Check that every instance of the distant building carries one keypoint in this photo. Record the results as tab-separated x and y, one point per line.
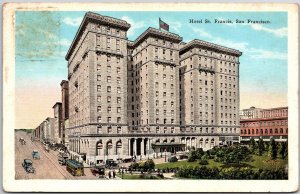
265	124
65	107
58	122
250	113
45	130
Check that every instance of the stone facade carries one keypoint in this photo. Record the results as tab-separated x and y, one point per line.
128	97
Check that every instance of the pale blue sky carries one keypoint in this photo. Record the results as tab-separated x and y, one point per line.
43	38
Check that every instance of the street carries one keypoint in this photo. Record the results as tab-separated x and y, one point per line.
47	167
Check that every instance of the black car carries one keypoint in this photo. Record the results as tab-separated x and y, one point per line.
27	165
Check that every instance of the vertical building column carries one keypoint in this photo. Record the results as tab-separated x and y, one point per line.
134	147
143	147
129	147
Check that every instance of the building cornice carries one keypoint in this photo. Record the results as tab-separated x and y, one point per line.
99	19
203	44
157	33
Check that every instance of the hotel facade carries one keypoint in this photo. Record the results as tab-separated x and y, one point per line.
149	96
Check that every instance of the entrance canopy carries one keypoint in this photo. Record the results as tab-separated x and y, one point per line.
169	147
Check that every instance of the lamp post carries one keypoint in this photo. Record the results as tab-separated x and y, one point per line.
165	155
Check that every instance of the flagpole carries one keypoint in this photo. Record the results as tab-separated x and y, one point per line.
159	23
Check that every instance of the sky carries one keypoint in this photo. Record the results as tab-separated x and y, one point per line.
43	39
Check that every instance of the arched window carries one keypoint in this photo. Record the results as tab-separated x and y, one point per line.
276	131
201	143
266	131
99	147
271	131
119	147
256	131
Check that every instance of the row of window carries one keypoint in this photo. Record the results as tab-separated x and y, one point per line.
99	119
108	99
265	123
108	89
99	109
108	68
261	131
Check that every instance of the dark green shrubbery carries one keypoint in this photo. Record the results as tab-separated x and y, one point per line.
204	172
144	166
203	162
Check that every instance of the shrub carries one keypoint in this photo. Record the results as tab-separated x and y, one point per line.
172	159
203	162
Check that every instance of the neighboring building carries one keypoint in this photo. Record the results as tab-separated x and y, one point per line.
45	130
58	122
250	113
148	96
272	122
64	107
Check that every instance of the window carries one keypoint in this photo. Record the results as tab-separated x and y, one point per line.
98	77
108	99
108	119
118	109
99	119
98	88
98	108
118	69
119	90
157	111
108	68
164	94
118	119
118	100
172	104
98	98
108	88
118	59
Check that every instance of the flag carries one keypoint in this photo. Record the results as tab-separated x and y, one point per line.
163	25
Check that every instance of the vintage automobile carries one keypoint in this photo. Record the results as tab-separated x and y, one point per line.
110	163
98	170
62	158
27	165
35	154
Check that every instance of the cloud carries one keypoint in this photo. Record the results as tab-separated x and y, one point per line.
250	52
134	25
175	26
280	32
242	46
63	42
201	32
72	21
266	54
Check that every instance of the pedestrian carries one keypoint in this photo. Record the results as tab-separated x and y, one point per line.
109	174
114	174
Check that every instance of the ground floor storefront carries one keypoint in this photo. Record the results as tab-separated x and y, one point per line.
93	149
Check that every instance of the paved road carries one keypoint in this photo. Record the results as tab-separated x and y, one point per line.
47	167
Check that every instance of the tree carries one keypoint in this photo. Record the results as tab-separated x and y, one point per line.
283	148
261	146
149	165
253	145
273	149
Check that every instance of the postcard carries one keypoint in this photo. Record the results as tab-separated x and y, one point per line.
150	97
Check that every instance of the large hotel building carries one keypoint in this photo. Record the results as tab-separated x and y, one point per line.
153	95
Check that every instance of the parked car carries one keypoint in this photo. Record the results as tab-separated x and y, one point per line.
27	165
62	158
35	155
98	170
110	163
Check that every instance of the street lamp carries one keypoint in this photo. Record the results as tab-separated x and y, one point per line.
165	155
